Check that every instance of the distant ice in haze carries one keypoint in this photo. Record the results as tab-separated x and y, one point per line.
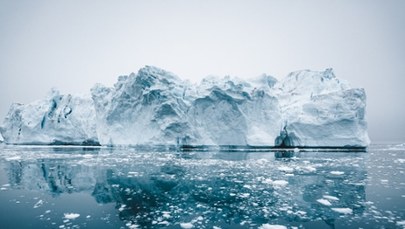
155	107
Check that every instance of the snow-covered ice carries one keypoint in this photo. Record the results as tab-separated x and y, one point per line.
343	210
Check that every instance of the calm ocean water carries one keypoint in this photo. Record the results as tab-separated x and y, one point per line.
62	187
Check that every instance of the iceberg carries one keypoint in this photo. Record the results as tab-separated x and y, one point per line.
319	110
57	119
156	107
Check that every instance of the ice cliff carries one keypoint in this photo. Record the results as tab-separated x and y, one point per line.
57	119
320	110
155	107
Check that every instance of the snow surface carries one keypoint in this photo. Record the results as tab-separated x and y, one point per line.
155	107
337	173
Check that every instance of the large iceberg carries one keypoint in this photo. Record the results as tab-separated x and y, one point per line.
155	107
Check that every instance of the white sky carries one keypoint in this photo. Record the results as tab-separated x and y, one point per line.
73	44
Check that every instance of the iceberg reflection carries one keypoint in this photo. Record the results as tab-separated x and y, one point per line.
223	189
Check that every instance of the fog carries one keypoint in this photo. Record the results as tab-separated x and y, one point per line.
71	45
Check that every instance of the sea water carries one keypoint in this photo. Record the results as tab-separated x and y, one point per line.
102	187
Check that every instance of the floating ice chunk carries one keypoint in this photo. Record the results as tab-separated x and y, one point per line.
330	197
200	218
324	202
309	169
122	207
280	183
71	215
166	214
247	186
400	160
186	225
39	204
215	227
164	223
401	223
244	195
132	225
296	150
267	181
337	173
301	213
272	226
286	169
343	210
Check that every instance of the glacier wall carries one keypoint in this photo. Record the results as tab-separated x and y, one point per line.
155	107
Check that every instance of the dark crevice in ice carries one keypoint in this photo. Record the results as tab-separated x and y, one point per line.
286	139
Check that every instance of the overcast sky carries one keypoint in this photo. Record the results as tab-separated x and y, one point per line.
72	45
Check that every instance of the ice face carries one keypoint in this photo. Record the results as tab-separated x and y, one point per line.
320	110
145	108
155	107
57	119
